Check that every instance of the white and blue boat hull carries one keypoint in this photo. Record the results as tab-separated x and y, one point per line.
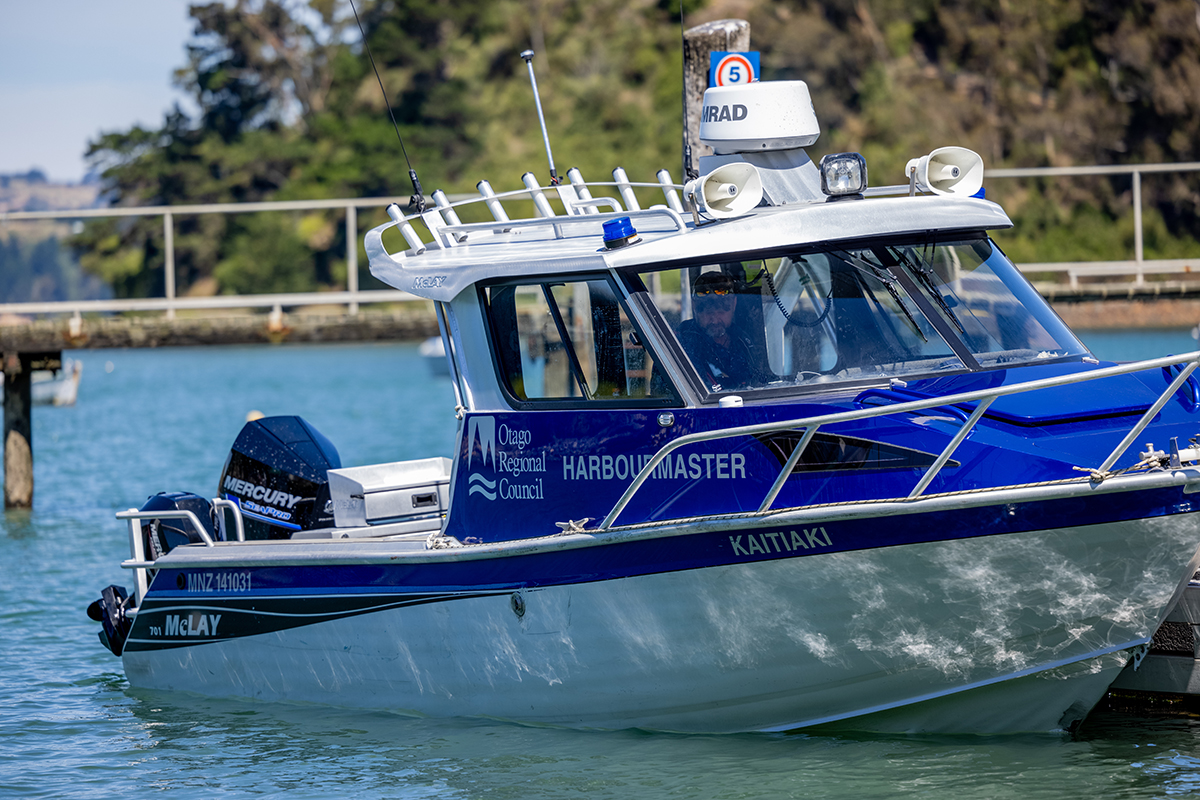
1022	630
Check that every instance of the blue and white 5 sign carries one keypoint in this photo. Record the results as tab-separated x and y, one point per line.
730	69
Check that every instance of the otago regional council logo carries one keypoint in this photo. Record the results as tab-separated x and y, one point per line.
509	468
481	430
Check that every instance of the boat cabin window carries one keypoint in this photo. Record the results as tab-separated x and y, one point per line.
857	313
570	340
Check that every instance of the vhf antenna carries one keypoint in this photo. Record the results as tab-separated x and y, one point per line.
418	197
528	56
689	171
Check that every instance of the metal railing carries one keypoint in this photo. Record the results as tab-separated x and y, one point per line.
137	550
984	398
1138	267
353	297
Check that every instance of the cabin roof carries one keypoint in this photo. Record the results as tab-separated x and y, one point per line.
567	244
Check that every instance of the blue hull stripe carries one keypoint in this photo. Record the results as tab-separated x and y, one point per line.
275	598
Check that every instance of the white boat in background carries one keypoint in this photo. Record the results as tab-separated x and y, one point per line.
433	350
894	492
54	387
61	388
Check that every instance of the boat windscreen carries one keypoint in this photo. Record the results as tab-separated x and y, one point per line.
999	316
862	313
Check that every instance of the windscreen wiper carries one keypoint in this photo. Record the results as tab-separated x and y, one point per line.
885	277
923	273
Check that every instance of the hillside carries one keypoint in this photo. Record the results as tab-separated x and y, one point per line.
34	264
290	108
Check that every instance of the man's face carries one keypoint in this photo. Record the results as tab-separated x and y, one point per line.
714	313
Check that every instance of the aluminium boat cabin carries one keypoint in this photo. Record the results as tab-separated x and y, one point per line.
780	451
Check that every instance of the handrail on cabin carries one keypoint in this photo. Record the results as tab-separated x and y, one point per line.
447	230
983	397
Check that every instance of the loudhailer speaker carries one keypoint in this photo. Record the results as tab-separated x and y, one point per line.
948	170
728	191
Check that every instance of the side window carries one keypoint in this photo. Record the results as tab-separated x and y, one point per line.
569	340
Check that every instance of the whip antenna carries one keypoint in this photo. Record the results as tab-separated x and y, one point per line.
689	172
528	56
418	198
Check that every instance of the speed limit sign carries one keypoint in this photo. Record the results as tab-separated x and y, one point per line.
732	69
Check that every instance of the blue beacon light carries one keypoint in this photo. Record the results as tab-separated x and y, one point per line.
619	232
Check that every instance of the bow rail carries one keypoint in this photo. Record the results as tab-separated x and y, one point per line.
983	397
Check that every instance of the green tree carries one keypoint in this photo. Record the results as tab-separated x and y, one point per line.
290	109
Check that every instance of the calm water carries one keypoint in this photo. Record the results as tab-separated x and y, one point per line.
149	420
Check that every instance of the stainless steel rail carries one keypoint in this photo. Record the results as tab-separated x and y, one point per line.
984	398
137	561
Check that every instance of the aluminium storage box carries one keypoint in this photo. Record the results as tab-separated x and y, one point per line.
386	492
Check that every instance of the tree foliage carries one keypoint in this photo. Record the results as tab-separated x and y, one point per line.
1023	82
37	269
289	108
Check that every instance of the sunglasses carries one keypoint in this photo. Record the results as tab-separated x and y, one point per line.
715	301
719	291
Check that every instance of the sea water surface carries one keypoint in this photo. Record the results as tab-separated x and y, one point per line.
152	420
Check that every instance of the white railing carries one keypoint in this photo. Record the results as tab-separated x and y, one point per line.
353	297
137	547
1138	267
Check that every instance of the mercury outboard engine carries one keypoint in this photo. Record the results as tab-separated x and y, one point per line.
276	474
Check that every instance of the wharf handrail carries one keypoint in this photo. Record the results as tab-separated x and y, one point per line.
984	397
1139	266
352	297
290	299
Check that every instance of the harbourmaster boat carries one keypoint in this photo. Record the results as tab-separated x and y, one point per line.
780	451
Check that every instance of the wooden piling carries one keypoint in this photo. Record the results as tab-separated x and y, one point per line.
698	44
18	423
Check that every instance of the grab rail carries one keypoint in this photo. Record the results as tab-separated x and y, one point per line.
588	219
133	514
237	518
984	397
448	231
137	550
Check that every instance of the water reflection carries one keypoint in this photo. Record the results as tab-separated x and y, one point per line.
71	727
188	743
17	523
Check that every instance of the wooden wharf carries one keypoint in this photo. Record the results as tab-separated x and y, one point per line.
31	345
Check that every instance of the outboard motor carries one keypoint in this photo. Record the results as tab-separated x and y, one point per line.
109	610
276	474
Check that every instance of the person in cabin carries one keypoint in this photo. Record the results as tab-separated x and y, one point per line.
721	353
